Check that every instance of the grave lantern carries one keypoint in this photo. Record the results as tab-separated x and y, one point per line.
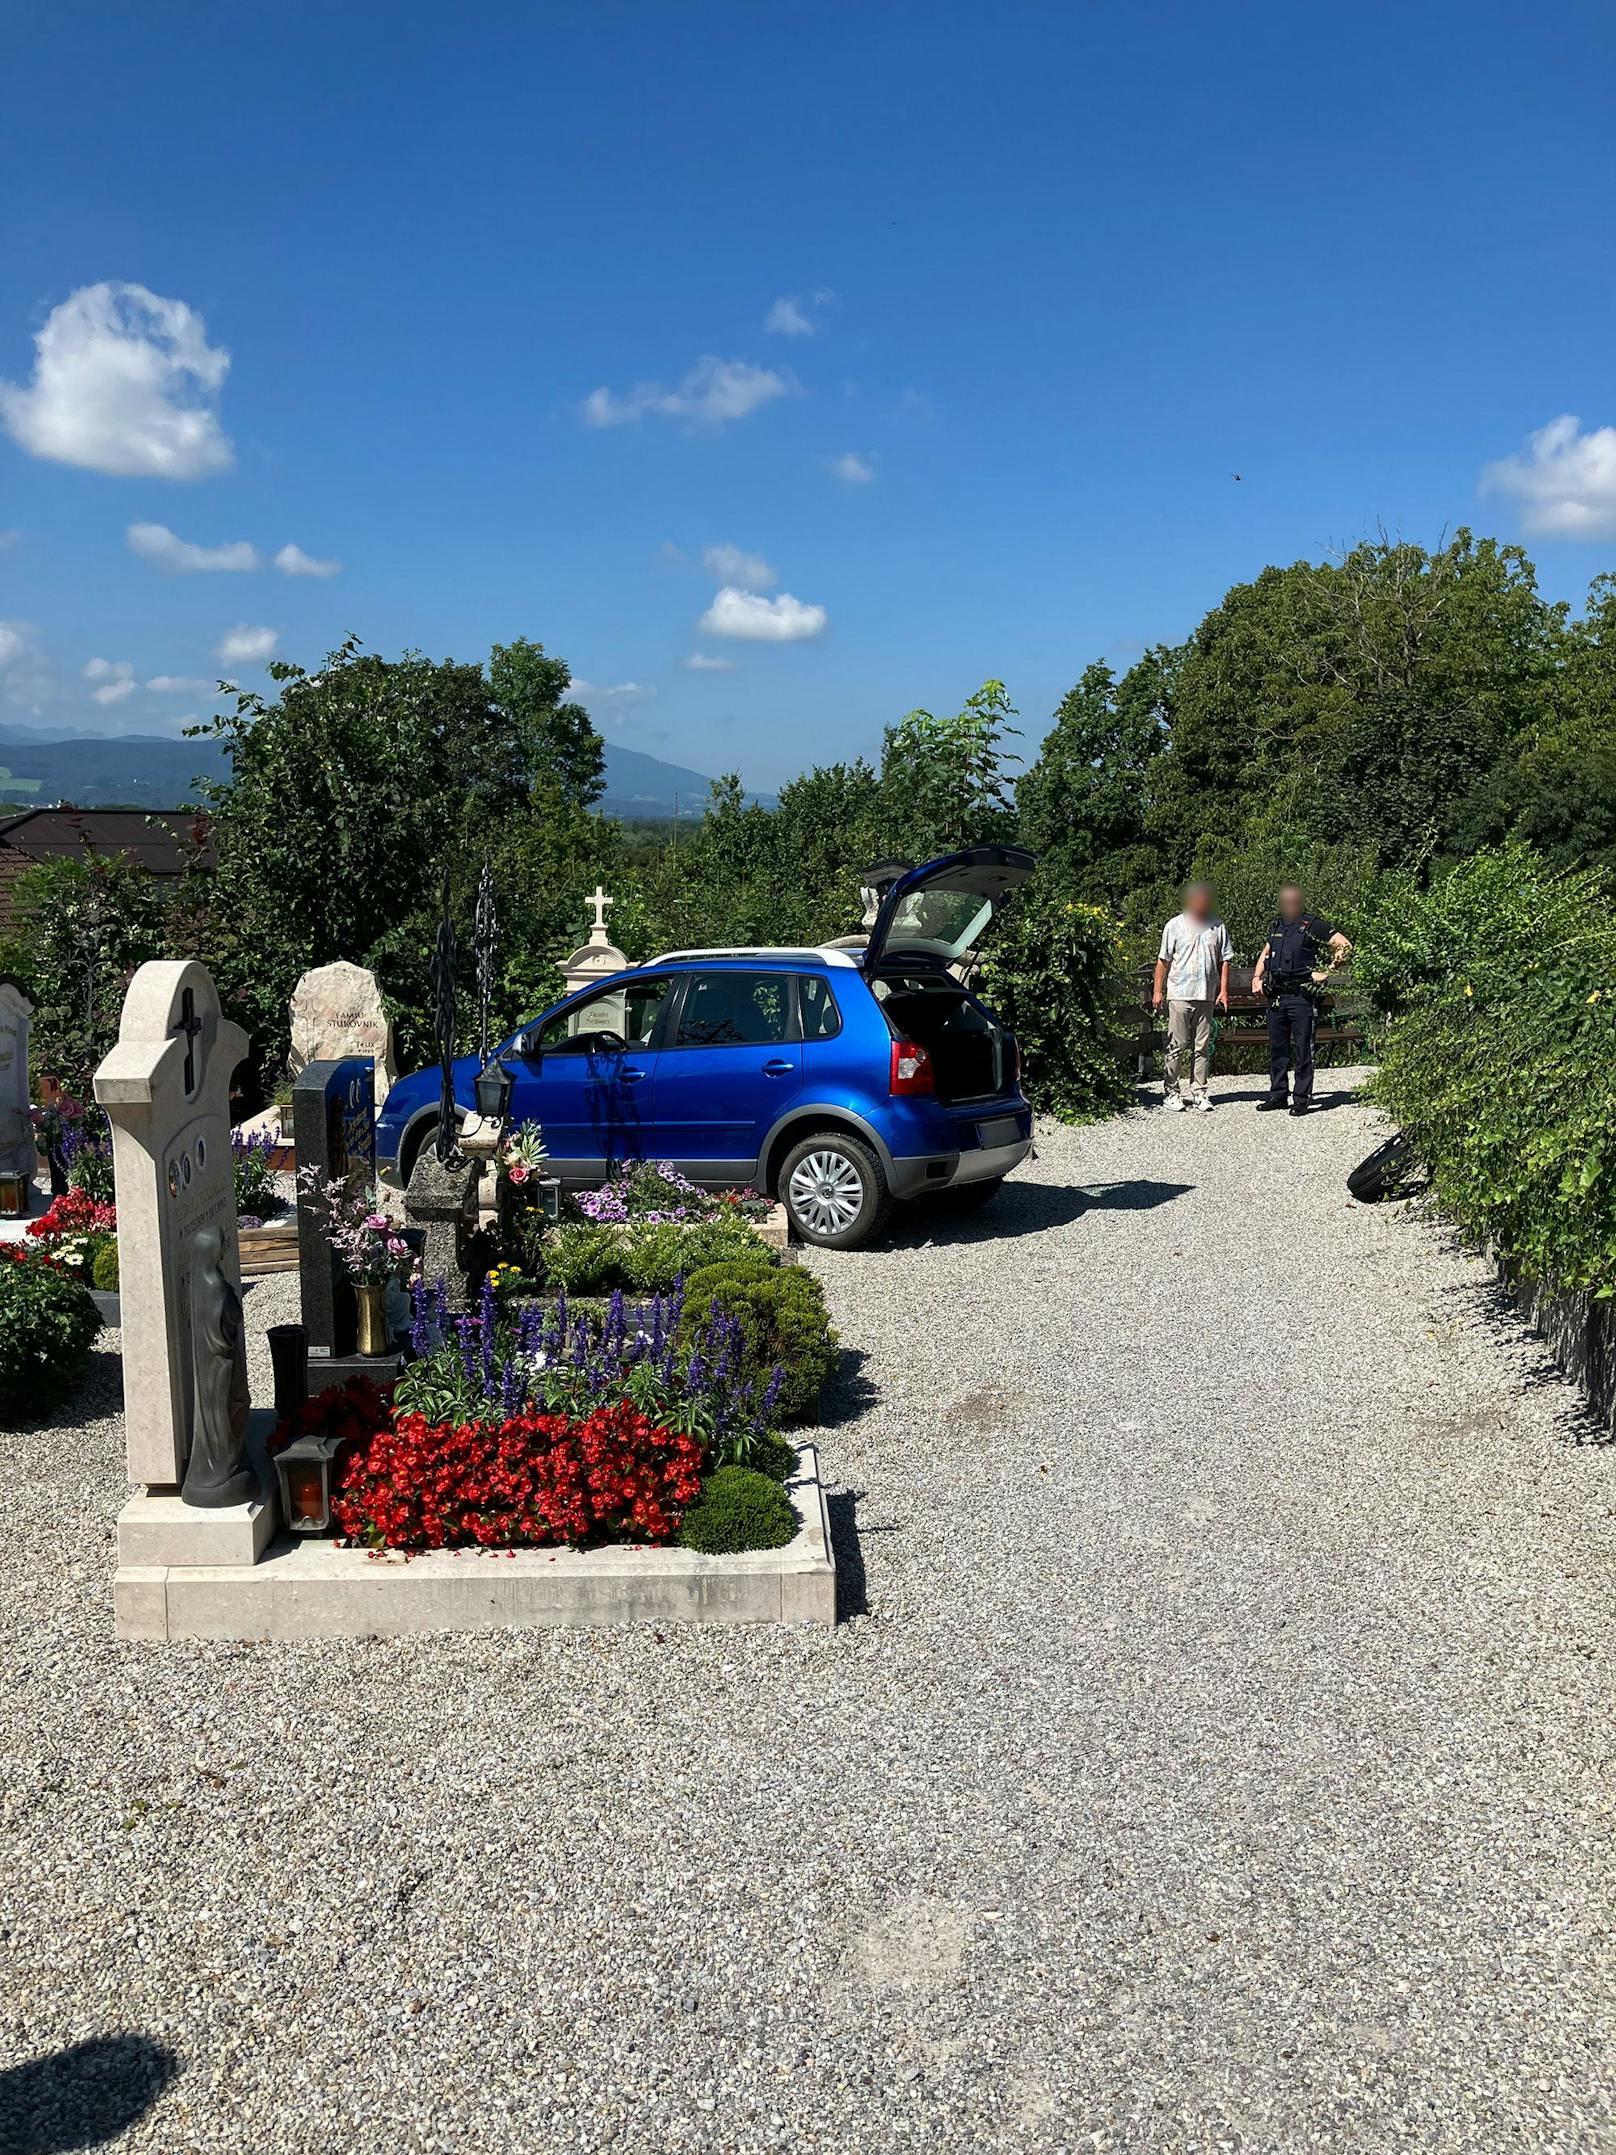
304	1470
493	1090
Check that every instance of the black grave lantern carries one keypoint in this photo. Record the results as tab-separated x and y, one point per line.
304	1470
493	1090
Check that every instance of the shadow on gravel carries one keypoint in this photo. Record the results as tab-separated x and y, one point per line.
1323	1102
852	1598
847	1394
1140	1195
1490	1305
84	2096
1021	1208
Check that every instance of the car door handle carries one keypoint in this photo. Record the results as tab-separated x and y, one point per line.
778	1068
632	1076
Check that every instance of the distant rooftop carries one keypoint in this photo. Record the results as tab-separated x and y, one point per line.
158	840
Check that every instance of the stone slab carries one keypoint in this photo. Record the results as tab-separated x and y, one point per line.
311	1589
156	1529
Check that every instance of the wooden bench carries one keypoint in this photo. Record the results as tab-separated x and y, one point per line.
1341	1017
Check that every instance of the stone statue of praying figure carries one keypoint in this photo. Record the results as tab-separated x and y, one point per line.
217	1472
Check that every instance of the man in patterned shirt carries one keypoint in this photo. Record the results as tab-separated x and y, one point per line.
1192	977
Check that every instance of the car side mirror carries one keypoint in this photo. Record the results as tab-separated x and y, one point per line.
529	1049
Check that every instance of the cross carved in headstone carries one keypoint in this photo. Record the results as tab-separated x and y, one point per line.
600	902
190	1025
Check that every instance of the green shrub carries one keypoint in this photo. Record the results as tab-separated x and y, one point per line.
738	1509
1498	1055
582	1258
766	1453
653	1257
104	1266
781	1311
47	1323
724	1240
1050	973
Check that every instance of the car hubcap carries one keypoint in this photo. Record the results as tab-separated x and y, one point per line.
827	1191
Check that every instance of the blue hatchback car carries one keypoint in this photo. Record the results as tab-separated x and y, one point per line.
838	1078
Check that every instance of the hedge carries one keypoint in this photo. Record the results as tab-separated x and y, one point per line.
1497	989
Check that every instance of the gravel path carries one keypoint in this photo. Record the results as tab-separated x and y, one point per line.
1217	1752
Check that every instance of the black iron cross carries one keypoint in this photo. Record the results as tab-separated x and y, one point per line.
190	1025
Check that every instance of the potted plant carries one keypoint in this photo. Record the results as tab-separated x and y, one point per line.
369	1247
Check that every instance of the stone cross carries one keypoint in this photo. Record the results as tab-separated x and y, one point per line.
600	901
166	1089
16	1126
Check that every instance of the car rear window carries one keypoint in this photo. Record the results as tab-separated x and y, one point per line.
725	1010
821	1020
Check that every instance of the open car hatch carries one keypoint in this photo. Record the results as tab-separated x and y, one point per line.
943	908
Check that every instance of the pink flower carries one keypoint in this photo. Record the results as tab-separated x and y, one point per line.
376	1222
518	1173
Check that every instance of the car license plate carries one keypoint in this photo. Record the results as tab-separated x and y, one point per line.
1002	1130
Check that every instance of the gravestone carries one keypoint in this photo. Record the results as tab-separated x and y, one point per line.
337	1011
17	1149
166	1089
597	959
334	1133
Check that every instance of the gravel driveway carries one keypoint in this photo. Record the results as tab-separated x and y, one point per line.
1216	1752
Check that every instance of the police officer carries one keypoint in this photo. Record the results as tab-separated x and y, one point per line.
1284	973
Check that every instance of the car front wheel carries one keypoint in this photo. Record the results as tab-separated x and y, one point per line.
834	1190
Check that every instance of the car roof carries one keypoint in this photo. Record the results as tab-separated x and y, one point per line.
786	957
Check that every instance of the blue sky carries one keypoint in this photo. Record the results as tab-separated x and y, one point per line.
495	287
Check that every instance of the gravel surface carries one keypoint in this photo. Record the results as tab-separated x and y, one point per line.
1216	1752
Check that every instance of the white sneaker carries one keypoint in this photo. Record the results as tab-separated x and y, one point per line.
1173	1104
1203	1101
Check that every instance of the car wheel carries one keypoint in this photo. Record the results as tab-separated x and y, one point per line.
975	1196
834	1190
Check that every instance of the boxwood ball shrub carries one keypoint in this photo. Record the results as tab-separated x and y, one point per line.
104	1268
781	1311
738	1509
47	1324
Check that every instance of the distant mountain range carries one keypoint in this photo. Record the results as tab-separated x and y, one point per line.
144	770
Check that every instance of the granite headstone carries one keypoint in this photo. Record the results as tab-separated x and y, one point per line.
334	1131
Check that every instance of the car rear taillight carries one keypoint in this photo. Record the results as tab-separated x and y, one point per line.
1015	1064
911	1069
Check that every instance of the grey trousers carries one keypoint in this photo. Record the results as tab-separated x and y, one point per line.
1189	1025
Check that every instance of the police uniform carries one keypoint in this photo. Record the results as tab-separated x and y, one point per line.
1294	948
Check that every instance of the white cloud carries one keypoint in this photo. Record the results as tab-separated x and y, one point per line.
714	392
292	561
178	684
782	620
852	469
13	641
699	662
793	314
158	545
116	678
1565	483
734	565
246	646
621	692
126	383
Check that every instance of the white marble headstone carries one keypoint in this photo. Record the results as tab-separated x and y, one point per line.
16	1128
166	1089
337	1011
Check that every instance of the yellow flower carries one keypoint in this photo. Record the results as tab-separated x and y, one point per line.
1469	990
1595	995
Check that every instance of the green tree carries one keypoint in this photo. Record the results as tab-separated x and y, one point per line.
558	738
83	926
348	795
1081	804
943	780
